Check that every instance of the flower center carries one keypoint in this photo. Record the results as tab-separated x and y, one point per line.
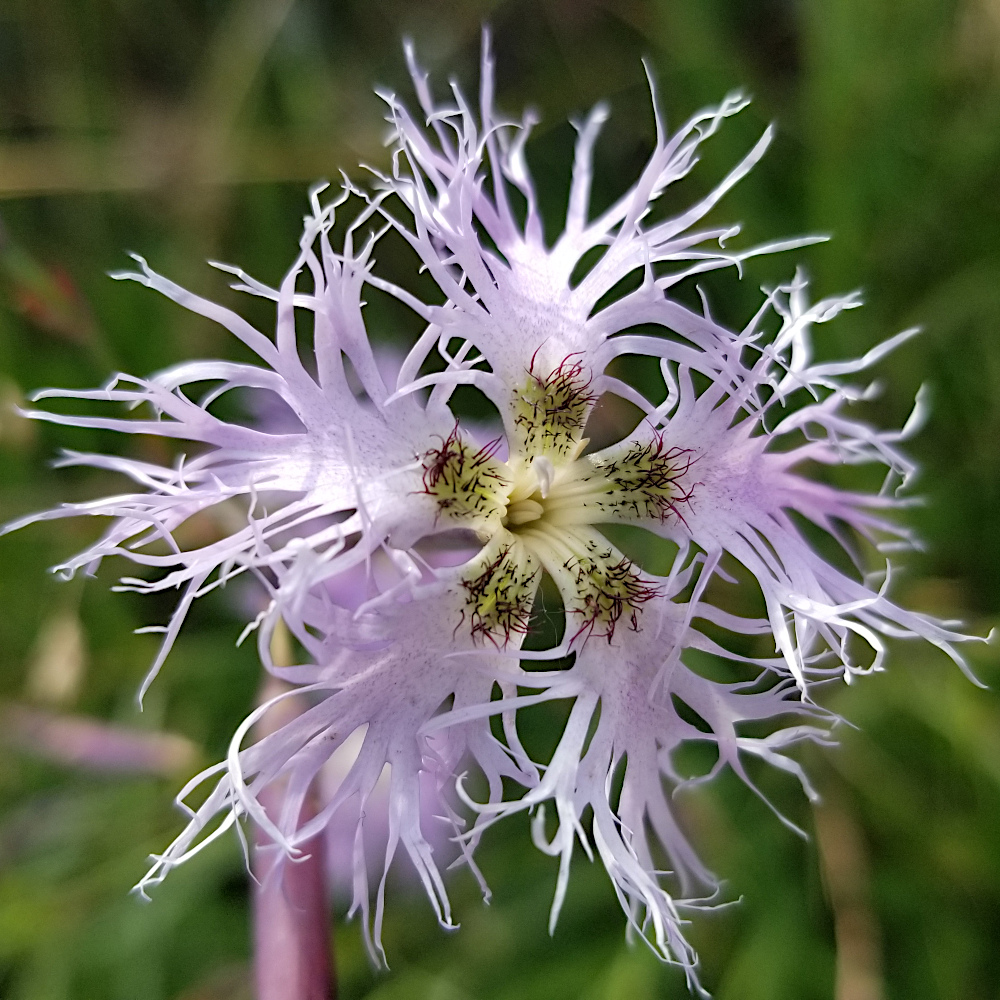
526	500
536	511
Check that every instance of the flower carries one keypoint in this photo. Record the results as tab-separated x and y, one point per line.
350	519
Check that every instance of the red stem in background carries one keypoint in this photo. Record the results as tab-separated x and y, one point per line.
293	940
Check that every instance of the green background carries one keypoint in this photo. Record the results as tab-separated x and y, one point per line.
190	130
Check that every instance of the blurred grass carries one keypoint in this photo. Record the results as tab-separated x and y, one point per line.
189	129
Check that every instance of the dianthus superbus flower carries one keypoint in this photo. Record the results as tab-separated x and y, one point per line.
405	549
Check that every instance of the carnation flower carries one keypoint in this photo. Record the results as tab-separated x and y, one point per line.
350	520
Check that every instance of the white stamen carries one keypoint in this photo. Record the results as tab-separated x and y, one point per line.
545	471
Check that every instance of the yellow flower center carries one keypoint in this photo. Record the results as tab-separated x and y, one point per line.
536	511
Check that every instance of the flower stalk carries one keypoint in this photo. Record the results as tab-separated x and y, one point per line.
292	933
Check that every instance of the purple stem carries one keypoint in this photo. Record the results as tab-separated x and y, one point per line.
293	941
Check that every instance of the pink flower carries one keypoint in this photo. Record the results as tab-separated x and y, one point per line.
345	518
